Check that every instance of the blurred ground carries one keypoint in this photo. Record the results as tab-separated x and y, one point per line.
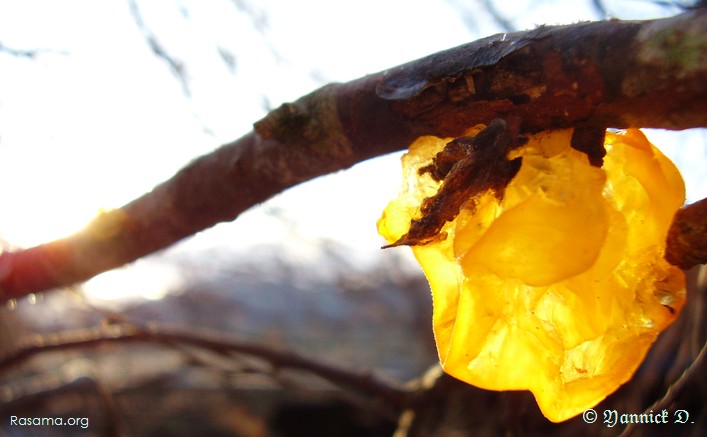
377	320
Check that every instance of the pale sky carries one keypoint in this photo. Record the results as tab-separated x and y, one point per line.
96	119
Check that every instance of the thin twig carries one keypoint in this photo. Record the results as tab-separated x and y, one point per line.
208	340
31	54
505	24
600	9
176	66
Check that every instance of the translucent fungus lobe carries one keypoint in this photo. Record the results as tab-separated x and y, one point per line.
559	286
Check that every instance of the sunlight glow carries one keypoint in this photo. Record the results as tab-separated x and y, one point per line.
151	280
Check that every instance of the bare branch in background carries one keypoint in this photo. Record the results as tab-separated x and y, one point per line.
596	74
683	5
176	66
259	19
500	19
228	58
469	12
30	54
218	344
600	9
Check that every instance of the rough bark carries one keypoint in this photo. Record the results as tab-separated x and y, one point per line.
687	238
588	75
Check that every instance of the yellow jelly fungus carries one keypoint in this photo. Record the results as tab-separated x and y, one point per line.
561	287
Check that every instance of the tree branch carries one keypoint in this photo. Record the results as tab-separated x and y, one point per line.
687	238
159	50
597	74
30	54
206	340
